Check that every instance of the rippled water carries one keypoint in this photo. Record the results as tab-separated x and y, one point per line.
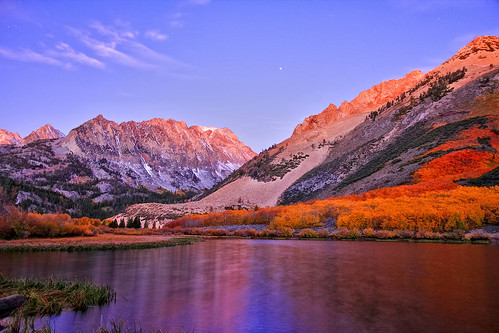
284	286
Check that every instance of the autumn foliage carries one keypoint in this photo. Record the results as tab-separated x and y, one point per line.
460	208
16	224
462	164
472	154
429	208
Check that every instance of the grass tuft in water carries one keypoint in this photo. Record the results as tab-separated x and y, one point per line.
50	296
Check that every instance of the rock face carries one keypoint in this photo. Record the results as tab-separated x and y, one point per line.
160	153
366	101
10	304
8	138
46	132
43	133
377	140
101	166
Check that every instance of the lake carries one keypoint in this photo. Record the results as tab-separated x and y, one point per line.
283	286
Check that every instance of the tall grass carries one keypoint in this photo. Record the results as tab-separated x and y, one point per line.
97	247
49	297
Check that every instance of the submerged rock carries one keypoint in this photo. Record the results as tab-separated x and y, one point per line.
11	303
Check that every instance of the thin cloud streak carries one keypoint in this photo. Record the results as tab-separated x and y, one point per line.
156	35
31	56
121	46
65	51
100	46
107	50
176	21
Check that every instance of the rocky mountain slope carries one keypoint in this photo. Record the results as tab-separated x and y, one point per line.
8	138
159	153
379	139
101	166
46	132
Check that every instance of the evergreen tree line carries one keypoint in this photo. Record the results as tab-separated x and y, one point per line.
130	223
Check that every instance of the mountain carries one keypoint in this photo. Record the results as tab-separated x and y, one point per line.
8	138
46	132
389	135
160	153
101	166
319	126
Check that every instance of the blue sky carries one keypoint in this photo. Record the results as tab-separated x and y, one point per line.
256	67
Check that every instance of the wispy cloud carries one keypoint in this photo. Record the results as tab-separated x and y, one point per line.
156	35
107	49
99	46
176	21
121	45
62	55
63	50
26	55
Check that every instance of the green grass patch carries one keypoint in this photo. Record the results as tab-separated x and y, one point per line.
50	296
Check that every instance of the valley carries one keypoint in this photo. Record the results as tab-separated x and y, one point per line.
377	210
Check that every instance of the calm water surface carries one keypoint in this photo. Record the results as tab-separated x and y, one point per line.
284	286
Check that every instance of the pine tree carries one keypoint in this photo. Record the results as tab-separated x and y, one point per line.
122	224
113	224
130	223
136	222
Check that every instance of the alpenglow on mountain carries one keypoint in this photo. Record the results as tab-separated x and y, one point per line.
46	132
158	153
102	162
390	135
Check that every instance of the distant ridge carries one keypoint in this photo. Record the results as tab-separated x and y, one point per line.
101	165
43	133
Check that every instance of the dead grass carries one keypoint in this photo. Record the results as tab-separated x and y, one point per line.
101	239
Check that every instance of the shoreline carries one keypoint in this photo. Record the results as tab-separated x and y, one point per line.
361	239
111	242
106	242
477	236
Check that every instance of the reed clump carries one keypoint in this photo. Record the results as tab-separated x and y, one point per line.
48	297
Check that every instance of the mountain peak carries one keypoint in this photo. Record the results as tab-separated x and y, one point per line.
366	101
481	46
99	118
480	43
159	152
9	138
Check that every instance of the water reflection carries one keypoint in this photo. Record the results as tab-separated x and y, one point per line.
284	286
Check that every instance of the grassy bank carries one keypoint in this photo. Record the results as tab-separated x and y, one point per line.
51	296
368	234
100	243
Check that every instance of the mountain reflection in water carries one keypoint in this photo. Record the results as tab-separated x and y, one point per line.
283	286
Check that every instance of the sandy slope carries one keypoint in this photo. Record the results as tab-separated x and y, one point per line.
246	191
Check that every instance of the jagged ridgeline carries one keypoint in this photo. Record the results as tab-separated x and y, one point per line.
438	127
101	167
